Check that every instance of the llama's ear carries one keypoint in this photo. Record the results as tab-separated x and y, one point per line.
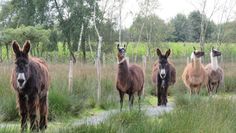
26	47
168	53
16	47
159	52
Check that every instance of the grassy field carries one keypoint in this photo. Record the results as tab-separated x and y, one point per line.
195	114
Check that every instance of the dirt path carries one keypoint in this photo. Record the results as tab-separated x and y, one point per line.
101	117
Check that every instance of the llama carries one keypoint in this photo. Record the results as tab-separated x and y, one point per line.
130	78
194	75
214	72
30	80
163	75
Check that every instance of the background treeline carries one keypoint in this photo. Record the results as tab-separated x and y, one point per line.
48	23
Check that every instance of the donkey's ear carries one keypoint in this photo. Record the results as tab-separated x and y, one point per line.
159	52
118	45
126	46
26	47
16	47
168	53
194	48
212	48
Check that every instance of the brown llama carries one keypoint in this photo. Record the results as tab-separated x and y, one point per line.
163	75
130	78
30	80
214	72
194	75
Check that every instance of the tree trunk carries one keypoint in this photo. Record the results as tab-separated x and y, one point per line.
7	49
80	37
202	34
0	53
84	50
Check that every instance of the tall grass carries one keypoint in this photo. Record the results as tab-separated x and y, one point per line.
195	114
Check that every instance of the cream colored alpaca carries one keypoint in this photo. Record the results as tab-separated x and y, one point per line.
194	75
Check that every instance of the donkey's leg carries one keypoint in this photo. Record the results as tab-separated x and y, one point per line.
33	105
159	96
165	96
22	101
121	99
43	109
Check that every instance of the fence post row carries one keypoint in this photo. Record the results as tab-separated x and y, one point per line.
70	76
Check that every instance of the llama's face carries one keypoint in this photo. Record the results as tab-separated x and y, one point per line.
121	51
163	63
215	53
197	54
22	63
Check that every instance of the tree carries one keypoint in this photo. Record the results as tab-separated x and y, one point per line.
15	13
155	29
37	35
195	21
180	25
71	15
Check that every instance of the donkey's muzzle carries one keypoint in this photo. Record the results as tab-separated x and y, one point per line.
21	81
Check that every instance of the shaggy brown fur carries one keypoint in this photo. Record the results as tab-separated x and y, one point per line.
130	79
194	75
215	77
155	69
33	97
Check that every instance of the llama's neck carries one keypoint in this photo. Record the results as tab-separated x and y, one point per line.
123	70
197	64
214	62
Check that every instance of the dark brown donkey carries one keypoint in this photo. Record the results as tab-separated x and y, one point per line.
130	78
163	75
30	80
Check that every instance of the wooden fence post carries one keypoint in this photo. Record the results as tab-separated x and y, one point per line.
144	70
70	77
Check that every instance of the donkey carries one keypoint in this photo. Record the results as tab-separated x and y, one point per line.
163	75
214	72
30	80
130	78
194	75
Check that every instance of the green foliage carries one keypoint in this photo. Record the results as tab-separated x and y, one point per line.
154	29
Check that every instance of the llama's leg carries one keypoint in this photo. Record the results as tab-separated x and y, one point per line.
209	87
22	101
121	99
33	105
198	89
43	105
217	86
159	96
139	100
131	100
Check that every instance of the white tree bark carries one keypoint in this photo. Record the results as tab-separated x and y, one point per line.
80	36
120	21
98	62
